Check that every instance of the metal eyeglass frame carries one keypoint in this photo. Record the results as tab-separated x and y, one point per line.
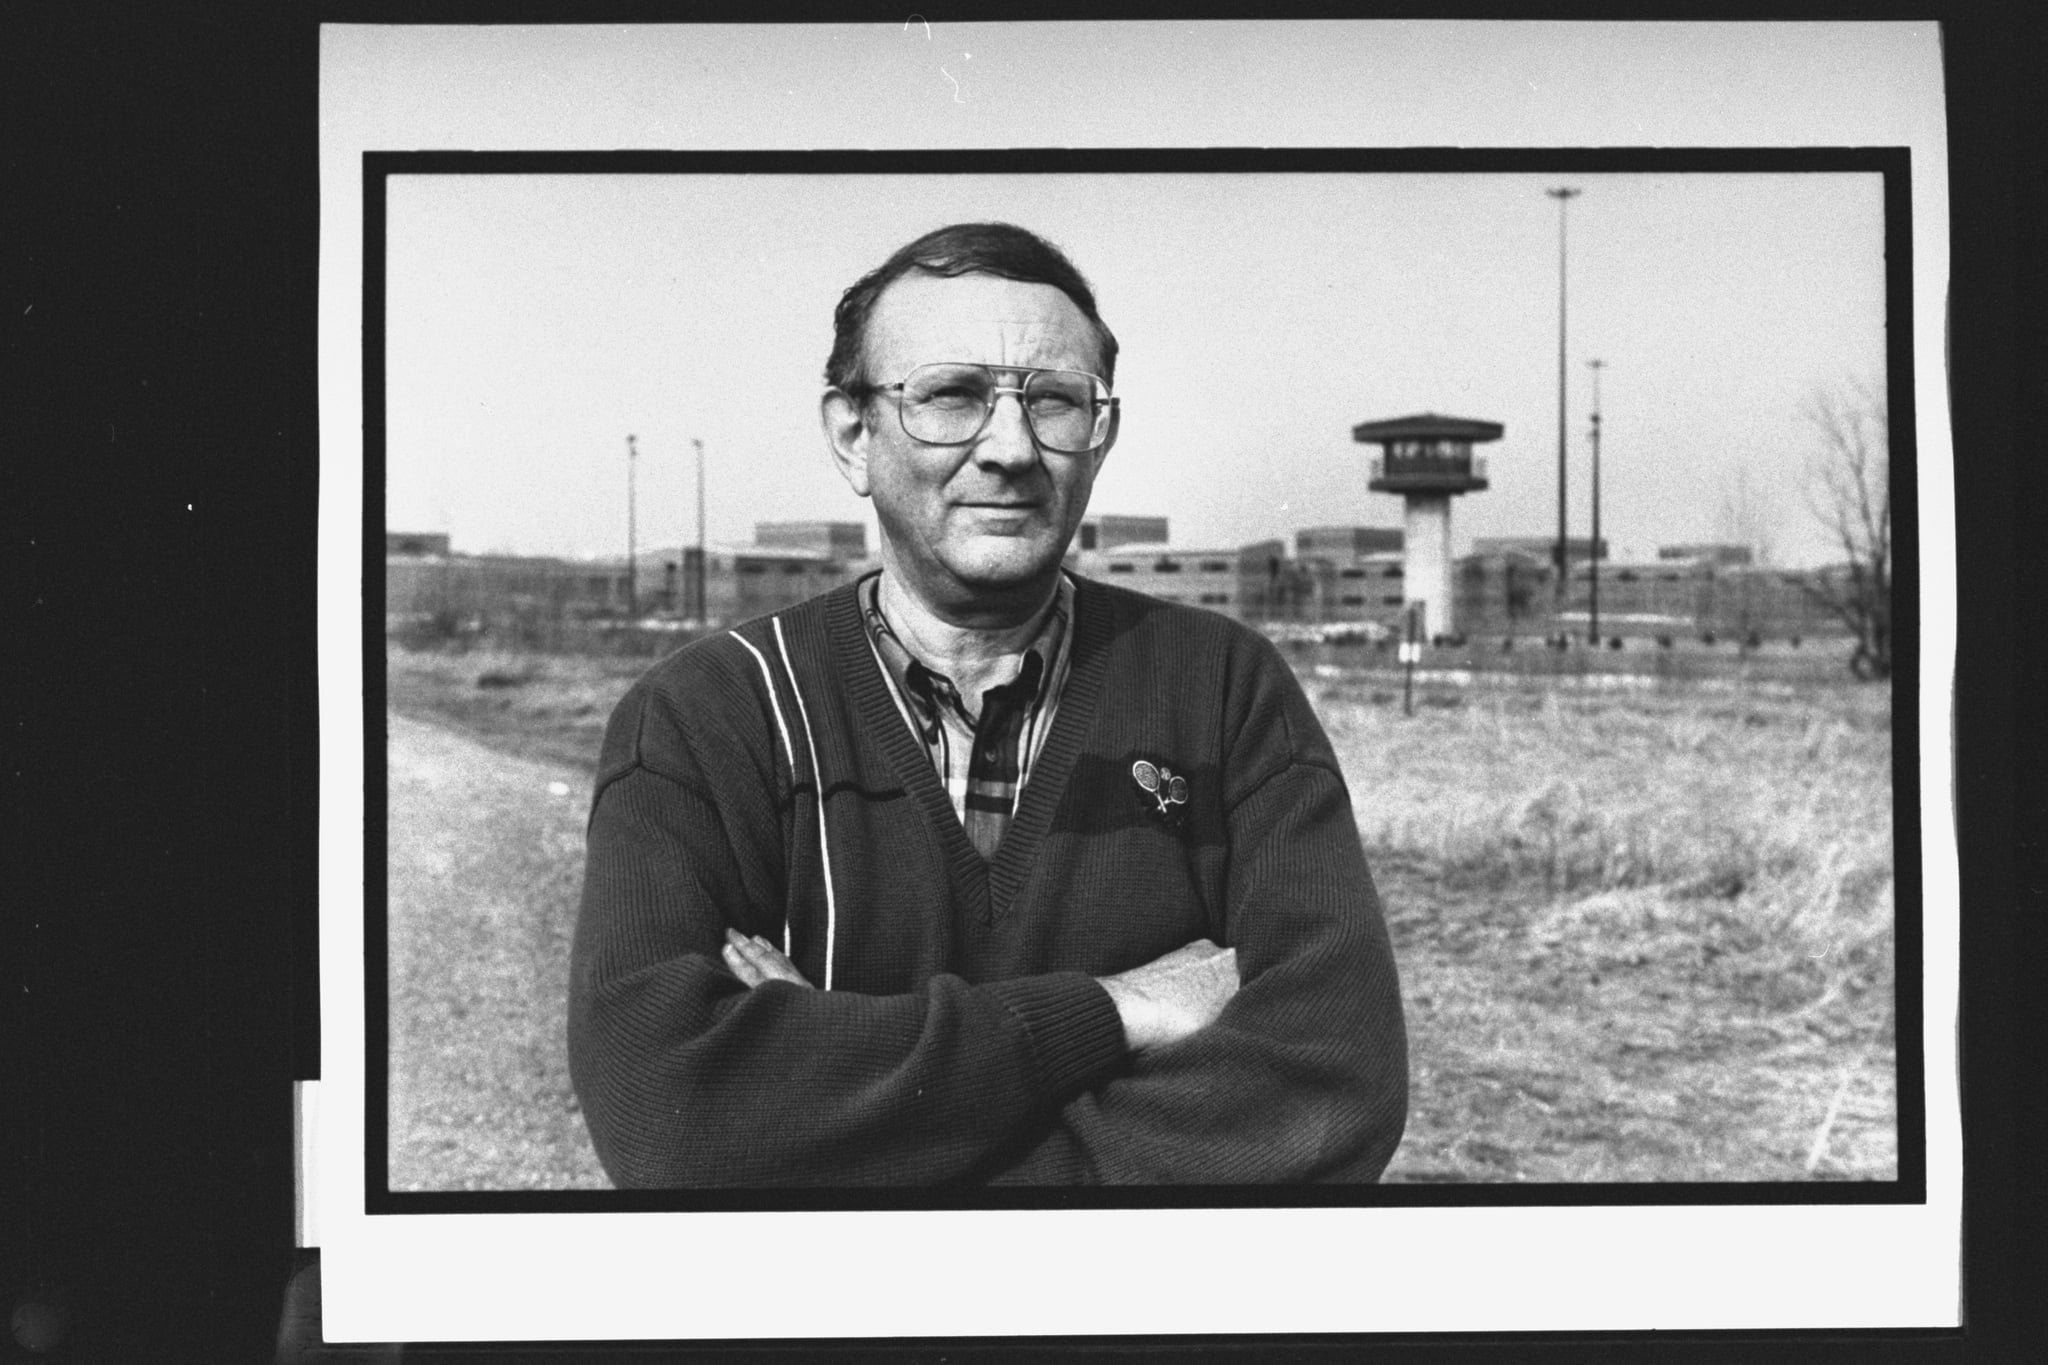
995	393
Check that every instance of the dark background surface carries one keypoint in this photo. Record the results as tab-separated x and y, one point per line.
158	487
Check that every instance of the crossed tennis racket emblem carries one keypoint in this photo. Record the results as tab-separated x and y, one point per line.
1163	785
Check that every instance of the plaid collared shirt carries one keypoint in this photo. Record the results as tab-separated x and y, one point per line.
983	760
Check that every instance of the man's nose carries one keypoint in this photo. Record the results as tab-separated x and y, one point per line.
1007	442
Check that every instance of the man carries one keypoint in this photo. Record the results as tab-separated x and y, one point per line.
973	872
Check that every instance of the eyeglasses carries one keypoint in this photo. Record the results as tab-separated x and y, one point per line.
949	404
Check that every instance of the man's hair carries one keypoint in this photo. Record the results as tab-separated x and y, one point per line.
963	249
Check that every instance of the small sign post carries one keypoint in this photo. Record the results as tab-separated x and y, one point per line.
1411	654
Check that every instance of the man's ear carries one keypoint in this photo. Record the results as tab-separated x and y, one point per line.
846	435
1116	422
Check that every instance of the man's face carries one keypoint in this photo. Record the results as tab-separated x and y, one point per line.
977	527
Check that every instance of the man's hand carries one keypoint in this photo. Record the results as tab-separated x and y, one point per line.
755	960
1161	1002
1170	997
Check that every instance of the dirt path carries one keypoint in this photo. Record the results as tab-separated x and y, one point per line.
486	862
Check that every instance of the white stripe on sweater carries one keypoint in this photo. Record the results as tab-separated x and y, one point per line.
788	750
818	784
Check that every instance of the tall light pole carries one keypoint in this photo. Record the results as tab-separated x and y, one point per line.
703	559
1593	632
632	536
1563	195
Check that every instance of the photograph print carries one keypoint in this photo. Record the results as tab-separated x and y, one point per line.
1325	679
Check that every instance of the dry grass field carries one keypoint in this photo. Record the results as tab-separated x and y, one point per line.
1643	937
1645	934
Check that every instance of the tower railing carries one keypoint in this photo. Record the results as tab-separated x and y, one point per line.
1447	468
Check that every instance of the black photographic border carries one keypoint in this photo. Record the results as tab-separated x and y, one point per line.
1892	163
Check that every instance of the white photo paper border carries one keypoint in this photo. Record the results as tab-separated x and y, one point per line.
595	1276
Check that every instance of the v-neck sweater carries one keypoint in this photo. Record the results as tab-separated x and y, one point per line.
764	780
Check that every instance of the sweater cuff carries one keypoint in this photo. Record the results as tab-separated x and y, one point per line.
1077	1036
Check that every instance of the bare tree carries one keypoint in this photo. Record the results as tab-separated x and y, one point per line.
1849	490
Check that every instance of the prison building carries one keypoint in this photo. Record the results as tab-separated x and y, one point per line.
1748	600
1710	552
844	540
745	581
1691	598
425	582
1540	548
1342	575
1237	581
1505	591
480	590
1275	586
1363	588
1352	573
1111	531
1701	598
1346	543
1661	597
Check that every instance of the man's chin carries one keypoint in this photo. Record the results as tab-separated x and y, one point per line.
1005	563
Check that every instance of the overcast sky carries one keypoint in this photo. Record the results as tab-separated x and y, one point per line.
536	320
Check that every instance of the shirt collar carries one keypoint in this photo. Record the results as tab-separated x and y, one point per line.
930	689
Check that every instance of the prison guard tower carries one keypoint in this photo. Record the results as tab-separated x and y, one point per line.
1427	459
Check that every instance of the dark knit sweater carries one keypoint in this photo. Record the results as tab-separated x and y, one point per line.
963	1038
